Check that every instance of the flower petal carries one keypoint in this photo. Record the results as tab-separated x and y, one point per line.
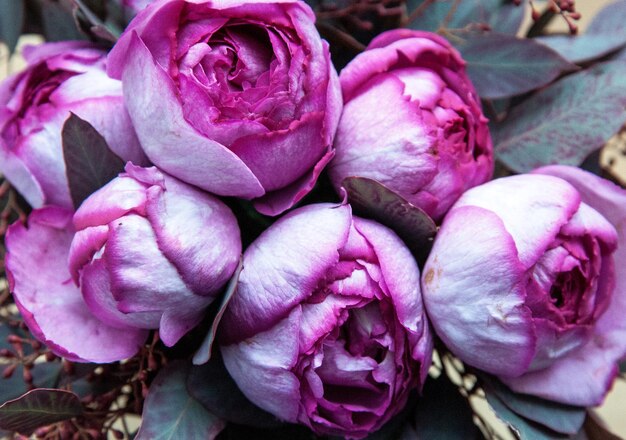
286	263
197	233
169	140
261	366
584	376
552	202
473	288
50	302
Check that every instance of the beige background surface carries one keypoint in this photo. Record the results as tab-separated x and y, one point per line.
613	411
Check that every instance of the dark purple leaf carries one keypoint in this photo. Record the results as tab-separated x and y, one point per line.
107	31
89	162
11	22
37	408
170	412
58	22
565	419
211	385
502	65
372	199
564	123
203	354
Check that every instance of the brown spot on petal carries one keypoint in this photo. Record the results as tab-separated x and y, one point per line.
429	276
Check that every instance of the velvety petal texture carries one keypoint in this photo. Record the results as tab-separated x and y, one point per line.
162	249
48	299
60	78
522	282
412	120
327	327
144	252
238	98
585	375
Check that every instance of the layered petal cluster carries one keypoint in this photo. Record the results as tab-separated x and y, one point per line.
144	252
412	120
238	98
327	327
521	282
34	104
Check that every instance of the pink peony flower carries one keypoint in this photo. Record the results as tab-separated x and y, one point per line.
60	78
327	327
412	121
522	282
146	251
238	98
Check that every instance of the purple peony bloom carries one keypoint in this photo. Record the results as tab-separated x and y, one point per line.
327	326
146	251
238	98
412	121
60	78
521	282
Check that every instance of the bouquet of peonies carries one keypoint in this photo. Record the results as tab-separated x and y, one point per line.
213	229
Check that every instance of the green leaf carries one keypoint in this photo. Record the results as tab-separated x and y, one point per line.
171	413
371	199
58	22
565	122
11	22
443	413
45	375
523	428
203	354
211	385
502	65
565	419
497	15
605	34
89	162
37	408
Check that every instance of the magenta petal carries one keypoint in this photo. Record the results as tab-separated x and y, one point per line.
197	233
276	202
300	146
14	169
475	294
261	366
287	262
402	278
96	287
117	198
143	280
169	140
108	115
381	58
403	156
50	302
85	244
551	201
584	376
42	154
